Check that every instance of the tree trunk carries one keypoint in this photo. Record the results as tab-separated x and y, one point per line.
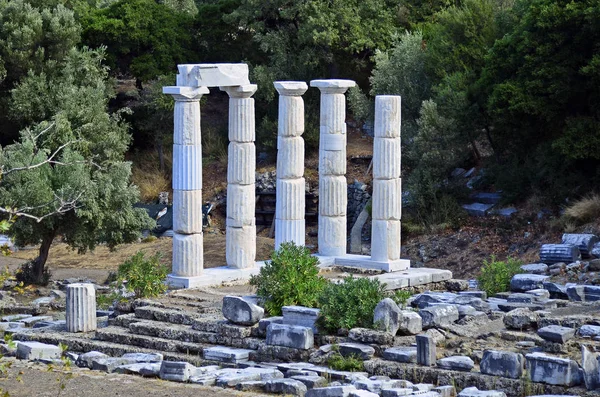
488	134
40	261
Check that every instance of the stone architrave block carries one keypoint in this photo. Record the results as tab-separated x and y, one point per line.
241	163
387	202
439	315
241	311
388	116
213	75
499	363
555	253
456	363
552	370
387	316
240	205
332	162
293	336
240	246
37	351
385	240
333	196
556	333
332	235
187	167
290	201
527	282
175	371
187	123
585	242
290	157
81	308
187	254
426	351
302	316
386	158
187	210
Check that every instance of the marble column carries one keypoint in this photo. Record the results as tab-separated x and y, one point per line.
240	239
188	259
290	205
81	308
333	189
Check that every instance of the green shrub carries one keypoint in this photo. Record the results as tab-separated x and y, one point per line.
144	277
291	277
496	275
401	297
350	304
351	363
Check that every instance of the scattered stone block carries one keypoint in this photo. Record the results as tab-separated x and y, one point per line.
477	209
226	354
499	363
410	323
311	381
293	336
555	253
477	294
401	354
15	317
398	392
589	330
264	323
592	293
85	360
439	316
556	333
302	316
556	291
37	351
109	364
242	311
520	297
465	310
521	318
591	369
286	386
31	321
576	293
426	353
457	285
332	391
539	294
387	316
366	335
362	393
527	282
229	377
142	369
585	242
361	351
535	268
445	391
143	357
377	385
456	363
475	392
552	370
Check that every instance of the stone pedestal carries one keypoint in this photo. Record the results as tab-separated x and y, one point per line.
290	205
188	259
240	239
333	188
81	308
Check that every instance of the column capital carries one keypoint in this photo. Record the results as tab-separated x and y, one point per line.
332	86
240	91
290	88
185	94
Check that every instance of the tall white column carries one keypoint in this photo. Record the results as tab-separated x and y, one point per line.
81	308
333	190
188	259
240	239
387	188
290	206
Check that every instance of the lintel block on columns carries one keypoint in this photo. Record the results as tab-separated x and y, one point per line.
213	74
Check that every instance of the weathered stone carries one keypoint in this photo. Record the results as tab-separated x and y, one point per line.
457	285
142	369
226	354
265	322
377	385
109	364
81	308
426	353
499	363
555	253
465	310
591	368
229	377
362	393
398	392
290	336
535	268
456	363
521	297
445	391
539	294
85	360
585	242
552	370
175	371
526	282
387	316
439	316
241	311
311	381
556	291
335	391
589	330
302	316
556	333
521	318
592	293
477	209
411	323
475	392
143	357
401	354
436	335
576	293
286	386
37	351
361	351
366	335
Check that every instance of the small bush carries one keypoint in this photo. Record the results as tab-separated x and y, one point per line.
401	297
584	210
26	275
351	363
496	275
144	277
350	304
291	277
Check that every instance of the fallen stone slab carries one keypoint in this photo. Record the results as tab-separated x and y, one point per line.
521	297
15	317
401	354
475	392
445	391
552	370
386	316
361	351
311	381
362	393
37	351
226	354
591	292
229	377
456	363
143	357
398	392
177	371
251	386
265	322
439	316
142	369
576	293
556	291
588	330
556	253
535	268
302	316
31	321
109	364
556	333
585	242
242	311
293	336
526	282
477	209
286	386
85	360
540	294
366	335
332	391
377	385
410	323
500	363
521	318
590	369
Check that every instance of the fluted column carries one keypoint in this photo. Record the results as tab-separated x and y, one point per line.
290	205
81	308
240	239
333	190
188	260
387	188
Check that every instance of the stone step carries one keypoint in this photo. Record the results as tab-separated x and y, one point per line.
167	315
126	337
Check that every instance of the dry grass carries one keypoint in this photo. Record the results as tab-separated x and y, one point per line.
148	177
584	210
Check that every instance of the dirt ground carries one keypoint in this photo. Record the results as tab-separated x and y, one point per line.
37	381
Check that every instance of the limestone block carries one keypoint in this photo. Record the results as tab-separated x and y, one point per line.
552	370
290	199
175	371
385	240
386	158
456	363
426	354
289	230
186	94
240	246
187	123
332	162
439	315
293	336
591	368
240	205
474	392
241	163
213	75
333	196
556	333
187	254
387	116
290	387
187	211
387	316
404	354
290	122
332	236
187	167
290	157
499	363
527	282
555	253
226	354
585	242
387	199
300	315
37	350
241	311
81	308
331	391
410	323
364	352
241	120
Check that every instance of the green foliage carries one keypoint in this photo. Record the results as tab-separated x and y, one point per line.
496	275
291	277
350	304
28	274
351	362
401	297
145	277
